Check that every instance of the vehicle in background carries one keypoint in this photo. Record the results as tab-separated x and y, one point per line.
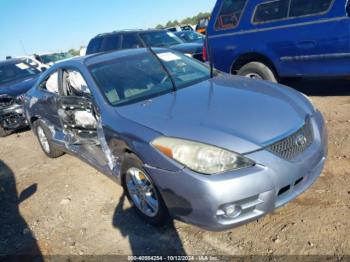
190	37
275	39
35	63
173	29
143	38
180	28
16	78
202	25
187	28
82	51
52	58
214	150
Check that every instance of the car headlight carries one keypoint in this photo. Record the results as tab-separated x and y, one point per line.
188	54
200	157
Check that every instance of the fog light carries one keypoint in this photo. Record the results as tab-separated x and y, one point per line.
232	211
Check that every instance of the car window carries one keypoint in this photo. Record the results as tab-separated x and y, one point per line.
50	84
94	45
309	7
271	11
16	71
131	41
230	14
130	79
160	38
184	70
74	83
111	42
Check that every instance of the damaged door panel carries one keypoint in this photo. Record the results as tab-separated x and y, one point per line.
78	118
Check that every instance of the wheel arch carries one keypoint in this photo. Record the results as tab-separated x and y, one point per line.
246	58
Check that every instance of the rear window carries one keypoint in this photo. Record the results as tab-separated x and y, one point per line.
230	14
309	7
94	45
271	11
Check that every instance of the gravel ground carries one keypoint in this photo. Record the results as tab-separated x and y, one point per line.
65	207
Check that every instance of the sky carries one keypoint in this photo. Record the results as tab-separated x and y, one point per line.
40	26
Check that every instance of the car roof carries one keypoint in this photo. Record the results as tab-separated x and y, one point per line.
129	31
10	61
105	56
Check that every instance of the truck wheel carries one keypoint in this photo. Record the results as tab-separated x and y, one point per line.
257	70
142	192
45	140
4	132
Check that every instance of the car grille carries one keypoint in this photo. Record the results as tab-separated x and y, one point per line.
295	144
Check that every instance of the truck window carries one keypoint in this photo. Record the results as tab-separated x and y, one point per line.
111	42
271	11
131	41
230	13
309	7
94	45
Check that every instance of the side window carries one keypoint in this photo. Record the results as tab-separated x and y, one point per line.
51	83
230	14
111	42
74	84
94	45
131	41
271	11
309	7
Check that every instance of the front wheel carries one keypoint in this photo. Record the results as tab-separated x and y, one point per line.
257	70
142	192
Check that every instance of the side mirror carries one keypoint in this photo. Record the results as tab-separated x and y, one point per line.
43	69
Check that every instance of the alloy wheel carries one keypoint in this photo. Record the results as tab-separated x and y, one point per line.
43	139
142	191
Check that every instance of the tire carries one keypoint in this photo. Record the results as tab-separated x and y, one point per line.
4	132
159	217
49	149
257	70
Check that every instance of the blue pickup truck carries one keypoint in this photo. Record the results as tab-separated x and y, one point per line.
280	38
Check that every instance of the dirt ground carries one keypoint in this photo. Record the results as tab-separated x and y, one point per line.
65	207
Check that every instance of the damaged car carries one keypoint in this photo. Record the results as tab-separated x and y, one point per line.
17	76
184	141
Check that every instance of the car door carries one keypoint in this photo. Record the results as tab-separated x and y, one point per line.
321	39
81	121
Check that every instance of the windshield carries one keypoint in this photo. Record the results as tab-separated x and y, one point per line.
52	58
160	39
15	71
190	36
140	77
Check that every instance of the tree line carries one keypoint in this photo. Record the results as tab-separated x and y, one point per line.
189	20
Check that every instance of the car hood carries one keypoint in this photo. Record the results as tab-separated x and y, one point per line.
18	87
236	113
190	48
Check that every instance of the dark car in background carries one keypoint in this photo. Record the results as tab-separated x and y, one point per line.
190	37
143	38
16	78
271	40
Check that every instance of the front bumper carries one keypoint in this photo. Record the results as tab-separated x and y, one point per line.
256	191
12	117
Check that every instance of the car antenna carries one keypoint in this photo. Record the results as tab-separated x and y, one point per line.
164	67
